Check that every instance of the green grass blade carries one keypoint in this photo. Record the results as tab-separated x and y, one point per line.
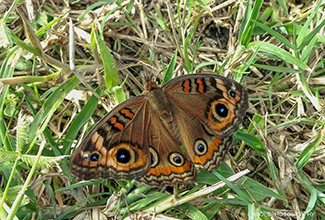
241	194
16	205
93	6
193	212
170	69
279	52
249	26
110	66
310	149
244	27
304	29
50	105
83	116
306	40
278	36
283	5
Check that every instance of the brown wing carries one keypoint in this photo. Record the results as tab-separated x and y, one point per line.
118	146
132	141
217	102
203	147
169	164
208	110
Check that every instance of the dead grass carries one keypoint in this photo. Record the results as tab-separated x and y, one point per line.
279	59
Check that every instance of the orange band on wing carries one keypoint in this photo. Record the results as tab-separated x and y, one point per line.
113	120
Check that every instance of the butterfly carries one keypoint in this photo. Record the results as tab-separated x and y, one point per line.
164	135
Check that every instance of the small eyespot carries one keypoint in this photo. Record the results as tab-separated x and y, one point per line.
221	110
200	147
85	155
232	94
94	157
91	156
176	159
123	156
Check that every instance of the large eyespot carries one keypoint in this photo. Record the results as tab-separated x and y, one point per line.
176	159
200	147
154	157
221	110
123	156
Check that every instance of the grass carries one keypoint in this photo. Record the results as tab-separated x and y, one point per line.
47	104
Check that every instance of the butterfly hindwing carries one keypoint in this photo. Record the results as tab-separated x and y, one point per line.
169	164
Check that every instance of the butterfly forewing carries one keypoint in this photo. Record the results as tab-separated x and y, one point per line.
118	146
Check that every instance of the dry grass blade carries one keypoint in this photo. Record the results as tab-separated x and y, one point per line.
275	49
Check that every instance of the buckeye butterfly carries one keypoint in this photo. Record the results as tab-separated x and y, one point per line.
141	138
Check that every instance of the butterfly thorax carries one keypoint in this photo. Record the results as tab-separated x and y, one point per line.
161	106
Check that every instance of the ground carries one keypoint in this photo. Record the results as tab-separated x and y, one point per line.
275	49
